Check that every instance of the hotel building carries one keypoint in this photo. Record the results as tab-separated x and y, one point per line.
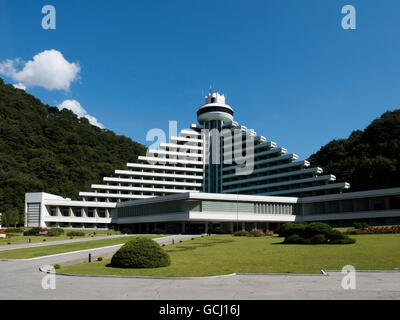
215	175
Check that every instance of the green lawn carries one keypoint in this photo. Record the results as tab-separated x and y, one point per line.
216	255
61	248
20	239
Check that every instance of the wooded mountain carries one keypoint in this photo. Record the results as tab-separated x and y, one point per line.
368	159
46	149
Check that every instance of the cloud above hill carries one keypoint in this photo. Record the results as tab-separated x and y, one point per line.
48	69
76	108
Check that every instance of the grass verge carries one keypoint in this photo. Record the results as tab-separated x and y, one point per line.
21	239
34	252
217	255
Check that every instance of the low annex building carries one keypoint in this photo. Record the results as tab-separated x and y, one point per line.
215	175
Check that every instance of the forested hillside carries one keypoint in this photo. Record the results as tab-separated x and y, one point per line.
368	159
46	149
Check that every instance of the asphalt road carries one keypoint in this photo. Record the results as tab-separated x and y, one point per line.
23	280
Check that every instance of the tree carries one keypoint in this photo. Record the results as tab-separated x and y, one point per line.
368	159
46	149
11	217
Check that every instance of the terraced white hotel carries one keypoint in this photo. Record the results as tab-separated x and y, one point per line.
216	174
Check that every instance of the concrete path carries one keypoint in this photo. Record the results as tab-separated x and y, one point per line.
22	280
49	243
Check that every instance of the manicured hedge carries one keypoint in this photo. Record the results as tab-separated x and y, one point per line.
33	232
360	225
241	233
75	233
257	233
140	253
55	232
312	233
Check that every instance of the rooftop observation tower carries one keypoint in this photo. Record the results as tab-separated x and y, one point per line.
215	111
213	115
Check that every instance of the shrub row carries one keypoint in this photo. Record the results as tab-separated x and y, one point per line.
55	232
33	232
75	233
374	230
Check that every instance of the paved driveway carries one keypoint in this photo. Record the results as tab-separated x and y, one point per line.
22	280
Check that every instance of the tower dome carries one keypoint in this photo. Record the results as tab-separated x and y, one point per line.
215	109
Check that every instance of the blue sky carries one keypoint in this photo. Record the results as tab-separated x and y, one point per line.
287	67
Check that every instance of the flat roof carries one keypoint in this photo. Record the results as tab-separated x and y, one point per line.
209	196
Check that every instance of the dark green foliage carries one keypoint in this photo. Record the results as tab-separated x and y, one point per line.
315	228
33	232
140	253
288	229
45	149
55	232
346	240
368	159
318	239
294	239
158	231
241	233
75	233
360	225
312	233
99	259
335	235
11	217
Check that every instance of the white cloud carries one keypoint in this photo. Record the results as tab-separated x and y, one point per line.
48	69
19	85
76	108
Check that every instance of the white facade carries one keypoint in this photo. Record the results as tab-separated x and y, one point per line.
48	210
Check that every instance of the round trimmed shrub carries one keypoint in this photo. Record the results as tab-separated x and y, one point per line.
241	233
289	229
140	253
315	228
360	225
33	232
256	233
55	232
